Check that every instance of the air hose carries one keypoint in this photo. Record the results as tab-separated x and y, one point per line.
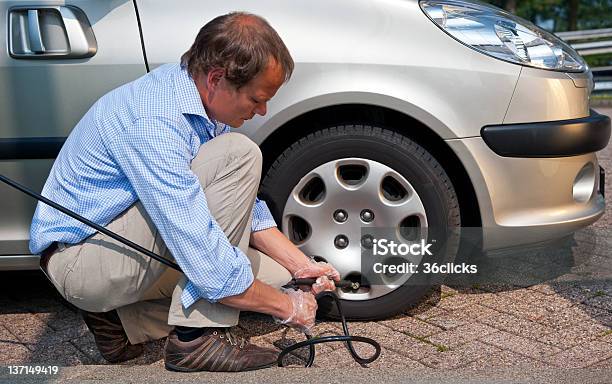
347	338
310	342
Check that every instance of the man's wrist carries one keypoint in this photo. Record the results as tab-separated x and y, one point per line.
286	308
305	263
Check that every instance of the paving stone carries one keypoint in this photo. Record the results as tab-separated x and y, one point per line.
462	300
566	317
261	330
570	337
521	345
393	340
601	301
459	357
430	312
604	318
66	327
505	358
600	262
256	324
6	336
591	270
448	320
603	285
582	355
295	361
329	360
63	354
285	337
547	289
550	302
87	345
418	351
462	335
516	325
534	307
525	275
153	352
387	360
452	319
578	293
602	364
462	316
411	326
61	319
30	330
606	336
390	359
510	303
472	289
13	353
46	303
574	278
446	290
553	314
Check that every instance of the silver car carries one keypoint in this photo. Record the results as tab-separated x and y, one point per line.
400	114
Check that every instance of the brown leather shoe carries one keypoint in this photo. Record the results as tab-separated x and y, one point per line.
216	351
111	340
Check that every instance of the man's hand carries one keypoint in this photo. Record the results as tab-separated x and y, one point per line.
314	270
304	311
323	272
275	244
322	284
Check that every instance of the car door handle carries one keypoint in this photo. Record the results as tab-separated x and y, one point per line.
36	43
50	32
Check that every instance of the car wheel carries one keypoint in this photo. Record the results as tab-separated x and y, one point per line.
326	187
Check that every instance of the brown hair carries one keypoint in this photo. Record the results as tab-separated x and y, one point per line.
239	42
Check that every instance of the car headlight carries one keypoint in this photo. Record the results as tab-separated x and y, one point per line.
500	34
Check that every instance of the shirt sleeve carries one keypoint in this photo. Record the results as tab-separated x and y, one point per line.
154	155
262	217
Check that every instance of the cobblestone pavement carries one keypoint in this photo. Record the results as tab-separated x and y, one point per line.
560	320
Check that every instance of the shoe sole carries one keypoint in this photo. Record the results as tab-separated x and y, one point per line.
176	368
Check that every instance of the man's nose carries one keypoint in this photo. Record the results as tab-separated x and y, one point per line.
261	109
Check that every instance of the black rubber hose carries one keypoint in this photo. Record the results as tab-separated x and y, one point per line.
310	342
346	338
90	223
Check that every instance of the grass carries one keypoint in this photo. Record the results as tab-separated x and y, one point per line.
423	339
444	295
601	96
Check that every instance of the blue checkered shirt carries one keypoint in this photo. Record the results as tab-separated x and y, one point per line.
137	143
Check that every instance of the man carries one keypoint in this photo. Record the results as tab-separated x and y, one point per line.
154	161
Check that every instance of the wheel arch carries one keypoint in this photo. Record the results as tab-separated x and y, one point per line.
357	113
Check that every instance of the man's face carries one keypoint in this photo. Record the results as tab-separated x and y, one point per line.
228	105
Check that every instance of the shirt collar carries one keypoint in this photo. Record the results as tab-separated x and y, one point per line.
187	94
189	101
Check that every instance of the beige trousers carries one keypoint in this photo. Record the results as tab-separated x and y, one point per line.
101	274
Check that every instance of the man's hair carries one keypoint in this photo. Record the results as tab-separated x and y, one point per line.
239	42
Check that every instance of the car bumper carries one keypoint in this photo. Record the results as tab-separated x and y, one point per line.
549	139
550	191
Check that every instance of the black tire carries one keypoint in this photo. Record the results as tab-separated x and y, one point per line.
385	146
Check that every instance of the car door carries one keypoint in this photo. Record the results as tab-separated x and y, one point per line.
57	59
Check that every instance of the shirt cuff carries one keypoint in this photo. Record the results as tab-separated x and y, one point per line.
237	282
262	217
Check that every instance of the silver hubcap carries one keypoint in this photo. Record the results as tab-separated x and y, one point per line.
326	210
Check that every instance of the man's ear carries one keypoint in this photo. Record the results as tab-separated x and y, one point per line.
213	78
